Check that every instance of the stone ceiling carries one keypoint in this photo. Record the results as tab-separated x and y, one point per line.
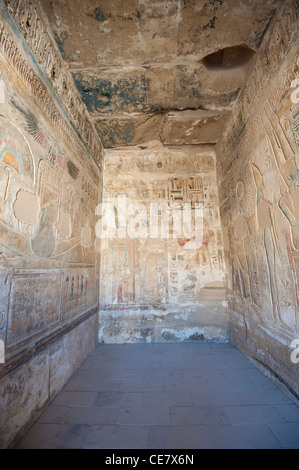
151	69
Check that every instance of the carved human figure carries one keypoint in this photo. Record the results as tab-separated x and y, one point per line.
289	204
240	261
202	256
264	220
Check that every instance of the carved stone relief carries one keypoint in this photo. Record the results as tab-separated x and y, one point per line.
165	268
47	223
261	161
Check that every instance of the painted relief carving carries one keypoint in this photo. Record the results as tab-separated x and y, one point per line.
32	309
241	281
264	244
14	150
47	218
174	164
17	170
295	126
53	154
195	192
174	269
45	213
289	202
264	221
29	18
176	190
46	103
43	239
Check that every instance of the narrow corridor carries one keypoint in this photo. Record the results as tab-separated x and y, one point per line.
167	396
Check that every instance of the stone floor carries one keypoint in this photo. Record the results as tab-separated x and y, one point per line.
167	396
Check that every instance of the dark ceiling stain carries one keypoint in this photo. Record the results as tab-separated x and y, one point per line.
215	5
61	38
72	169
99	15
112	133
210	24
102	95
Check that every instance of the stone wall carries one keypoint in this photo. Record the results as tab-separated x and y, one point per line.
160	283
50	181
258	167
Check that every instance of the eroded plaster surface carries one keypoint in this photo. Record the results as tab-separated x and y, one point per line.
140	57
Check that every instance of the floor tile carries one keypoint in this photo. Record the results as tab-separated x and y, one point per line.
116	399
98	384
198	415
91	415
75	398
203	374
252	397
53	415
167	399
185	385
252	436
179	437
127	374
262	414
172	374
108	365
290	412
54	436
154	385
247	372
146	415
116	437
287	434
